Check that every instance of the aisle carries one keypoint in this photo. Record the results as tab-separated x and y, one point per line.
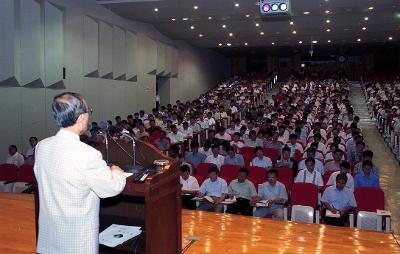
383	157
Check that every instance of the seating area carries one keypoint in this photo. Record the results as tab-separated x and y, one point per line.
15	179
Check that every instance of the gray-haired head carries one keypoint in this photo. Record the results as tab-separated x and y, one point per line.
67	107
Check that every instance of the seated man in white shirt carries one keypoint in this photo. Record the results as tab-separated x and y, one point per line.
190	187
253	141
338	200
236	142
215	188
222	135
344	169
215	157
260	160
274	194
319	166
337	159
186	131
14	157
310	174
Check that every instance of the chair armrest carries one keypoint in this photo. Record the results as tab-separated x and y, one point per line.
317	218
351	220
285	213
388	224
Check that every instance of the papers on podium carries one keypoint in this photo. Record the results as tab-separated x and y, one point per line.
117	234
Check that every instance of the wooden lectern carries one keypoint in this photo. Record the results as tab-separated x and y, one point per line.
155	205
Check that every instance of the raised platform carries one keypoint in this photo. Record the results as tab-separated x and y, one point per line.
218	233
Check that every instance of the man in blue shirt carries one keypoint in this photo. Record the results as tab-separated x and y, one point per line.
194	157
366	178
215	189
233	158
367	156
339	201
260	160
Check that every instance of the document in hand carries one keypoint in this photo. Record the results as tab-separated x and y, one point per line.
117	234
332	215
229	201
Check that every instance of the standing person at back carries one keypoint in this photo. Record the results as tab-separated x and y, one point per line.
72	177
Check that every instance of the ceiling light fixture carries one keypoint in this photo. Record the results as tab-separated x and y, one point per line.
364	28
195	7
390	38
366	18
291	23
245	44
184	19
257	25
236	5
329	41
273	43
261	33
300	42
173	19
230	34
371	8
210	18
156	9
247	15
294	32
314	42
327	11
224	26
220	44
200	35
359	40
328	30
228	44
192	27
306	12
328	21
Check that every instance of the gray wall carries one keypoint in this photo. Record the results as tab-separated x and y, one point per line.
40	38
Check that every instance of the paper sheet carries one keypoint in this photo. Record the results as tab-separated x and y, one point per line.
117	234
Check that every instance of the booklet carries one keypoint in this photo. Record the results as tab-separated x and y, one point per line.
117	234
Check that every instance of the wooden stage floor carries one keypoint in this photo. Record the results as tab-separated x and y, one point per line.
218	233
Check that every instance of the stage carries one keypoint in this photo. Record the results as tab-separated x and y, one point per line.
218	233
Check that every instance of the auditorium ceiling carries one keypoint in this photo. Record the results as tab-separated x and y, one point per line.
238	23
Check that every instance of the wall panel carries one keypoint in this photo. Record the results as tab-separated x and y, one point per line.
105	50
90	46
131	55
7	41
160	57
119	53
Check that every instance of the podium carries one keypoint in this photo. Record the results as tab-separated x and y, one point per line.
155	204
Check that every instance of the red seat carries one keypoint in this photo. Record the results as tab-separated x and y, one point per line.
229	172
247	150
285	176
305	194
202	169
328	174
200	179
26	174
272	153
297	155
257	175
369	199
8	172
248	158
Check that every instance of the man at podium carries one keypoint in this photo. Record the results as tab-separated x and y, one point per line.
72	177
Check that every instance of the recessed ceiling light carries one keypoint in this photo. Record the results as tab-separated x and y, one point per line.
184	19
273	43
314	42
200	35
230	34
328	21
371	8
220	44
306	12
329	41
247	15
224	26
195	7
300	42
291	23
328	30
366	18
261	33
327	11
192	27
173	19
236	5
390	38
359	40
210	18
294	32
245	44
364	28
257	24
156	9
228	44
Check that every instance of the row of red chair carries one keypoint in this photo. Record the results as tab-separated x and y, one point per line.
11	173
